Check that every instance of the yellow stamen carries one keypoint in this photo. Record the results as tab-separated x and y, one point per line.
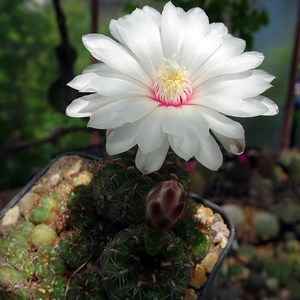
171	86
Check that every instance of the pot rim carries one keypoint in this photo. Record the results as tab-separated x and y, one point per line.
32	181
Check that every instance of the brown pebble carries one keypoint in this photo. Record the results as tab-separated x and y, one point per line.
190	295
84	177
209	261
11	216
204	214
199	277
73	169
27	203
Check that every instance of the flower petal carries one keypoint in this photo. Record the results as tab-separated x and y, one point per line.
111	115
173	121
195	121
194	25
232	145
272	107
121	139
171	33
140	33
205	49
83	106
185	146
209	154
236	64
115	86
114	55
152	161
150	135
81	82
106	117
96	67
244	85
232	106
221	124
175	142
136	108
221	47
104	70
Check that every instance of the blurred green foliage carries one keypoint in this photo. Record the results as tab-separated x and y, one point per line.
28	65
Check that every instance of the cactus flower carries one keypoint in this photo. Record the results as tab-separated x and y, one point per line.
165	204
170	80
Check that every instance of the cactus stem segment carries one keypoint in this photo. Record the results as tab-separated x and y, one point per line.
154	240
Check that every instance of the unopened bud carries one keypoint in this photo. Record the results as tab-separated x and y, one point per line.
165	205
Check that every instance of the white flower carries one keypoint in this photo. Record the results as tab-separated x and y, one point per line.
170	81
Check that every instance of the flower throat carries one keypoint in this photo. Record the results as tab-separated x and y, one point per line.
171	86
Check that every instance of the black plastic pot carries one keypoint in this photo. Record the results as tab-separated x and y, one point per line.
208	290
28	186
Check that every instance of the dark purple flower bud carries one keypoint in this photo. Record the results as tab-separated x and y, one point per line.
165	205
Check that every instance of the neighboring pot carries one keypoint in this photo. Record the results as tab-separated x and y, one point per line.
208	290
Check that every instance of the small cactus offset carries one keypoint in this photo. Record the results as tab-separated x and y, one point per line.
123	235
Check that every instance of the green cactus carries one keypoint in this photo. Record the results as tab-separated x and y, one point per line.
86	285
51	288
129	272
26	228
20	258
75	249
285	270
46	212
100	235
14	251
83	213
62	191
100	241
43	234
266	225
199	241
120	189
40	215
12	284
17	238
48	262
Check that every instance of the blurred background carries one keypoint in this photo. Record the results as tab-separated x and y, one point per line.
41	50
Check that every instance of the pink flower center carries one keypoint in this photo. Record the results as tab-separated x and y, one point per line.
171	86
